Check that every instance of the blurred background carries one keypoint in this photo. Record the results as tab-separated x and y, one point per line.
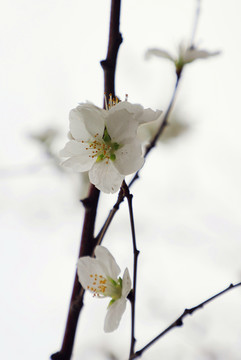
187	201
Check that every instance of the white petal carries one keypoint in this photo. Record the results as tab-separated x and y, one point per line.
77	126
129	158
79	163
108	262
131	108
121	125
148	115
193	54
159	53
86	121
105	177
139	113
73	148
126	283
87	266
114	315
69	136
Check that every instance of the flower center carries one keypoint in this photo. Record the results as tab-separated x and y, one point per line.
105	286
103	149
112	101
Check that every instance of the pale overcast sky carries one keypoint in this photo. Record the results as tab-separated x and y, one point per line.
187	202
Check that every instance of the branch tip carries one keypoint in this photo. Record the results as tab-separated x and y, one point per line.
57	356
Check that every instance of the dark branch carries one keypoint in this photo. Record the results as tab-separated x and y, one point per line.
136	252
88	241
179	321
115	39
76	302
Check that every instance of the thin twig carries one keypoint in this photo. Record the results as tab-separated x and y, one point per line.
112	212
179	321
196	20
88	241
136	252
161	128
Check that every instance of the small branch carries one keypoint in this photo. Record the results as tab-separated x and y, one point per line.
165	119
136	252
112	212
197	16
115	40
179	321
161	128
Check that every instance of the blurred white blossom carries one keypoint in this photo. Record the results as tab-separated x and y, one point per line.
99	275
186	54
104	142
45	136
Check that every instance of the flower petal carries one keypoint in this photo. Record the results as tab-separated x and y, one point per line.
131	108
126	283
107	261
114	315
121	125
140	114
129	158
159	53
193	54
73	148
87	266
105	177
77	126
79	163
86	121
148	115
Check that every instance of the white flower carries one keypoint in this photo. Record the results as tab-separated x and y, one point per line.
185	55
104	142
99	275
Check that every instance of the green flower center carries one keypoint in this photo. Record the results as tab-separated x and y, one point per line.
105	286
103	149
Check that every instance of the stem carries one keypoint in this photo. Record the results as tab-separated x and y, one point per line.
161	127
165	119
76	302
88	241
136	252
112	212
194	30
179	321
115	40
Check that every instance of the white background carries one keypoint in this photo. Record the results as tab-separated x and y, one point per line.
187	202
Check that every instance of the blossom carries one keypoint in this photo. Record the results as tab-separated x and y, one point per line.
104	142
99	275
185	55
